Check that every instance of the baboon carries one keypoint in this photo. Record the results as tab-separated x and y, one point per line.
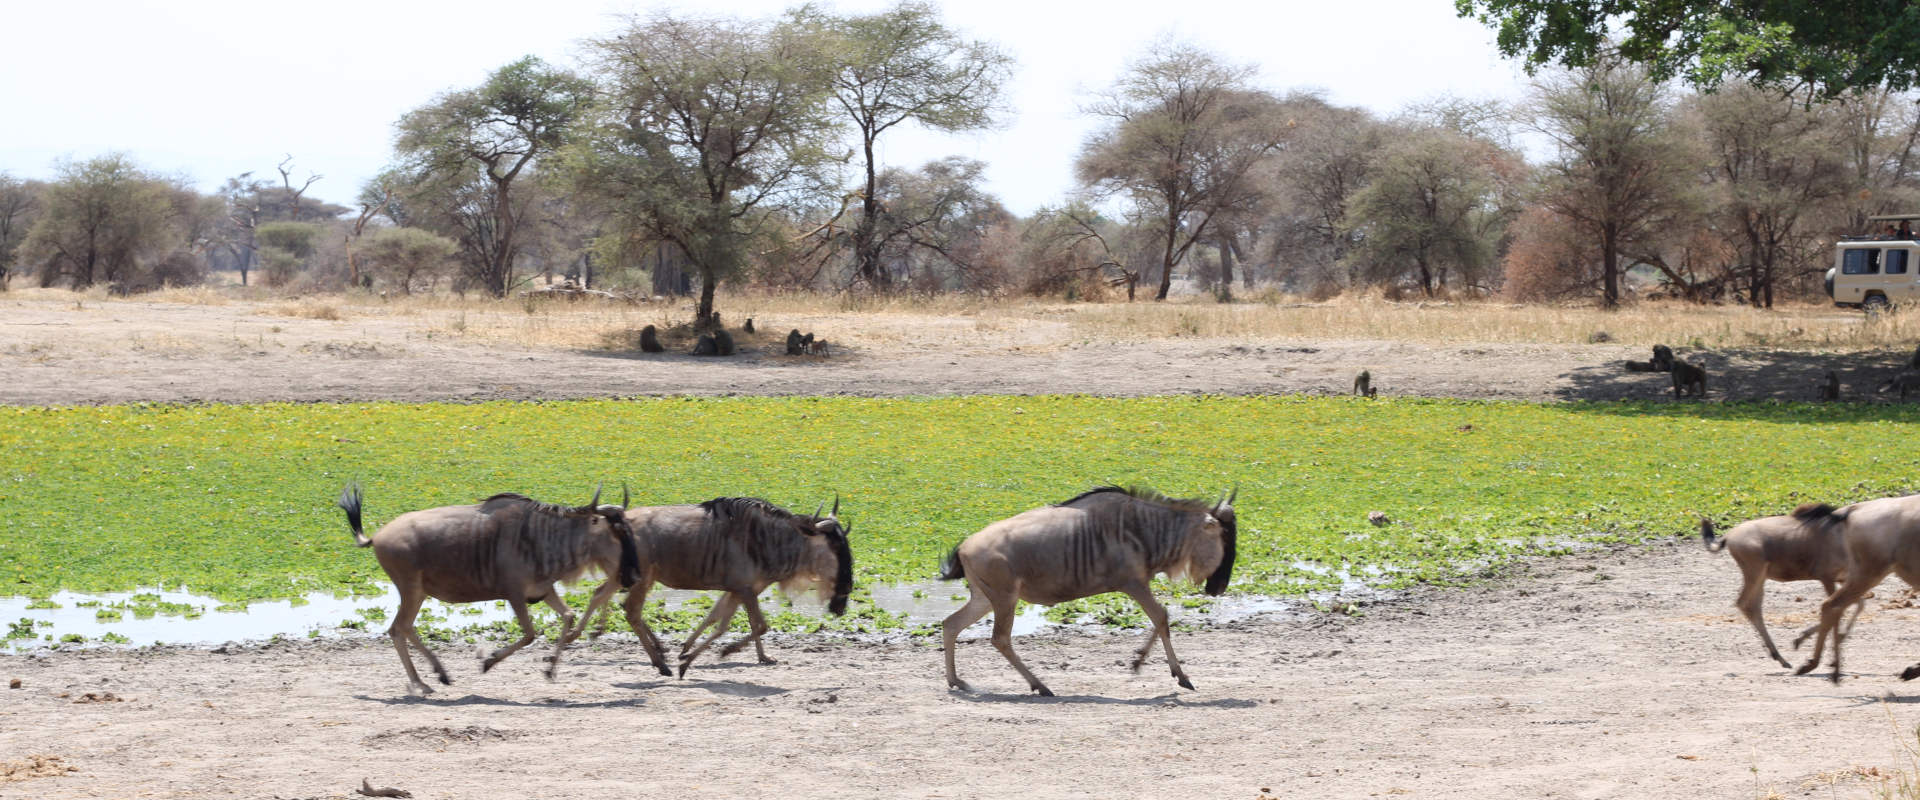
723	343
806	342
1662	358
650	340
1905	382
1363	384
749	326
1913	362
818	347
706	346
793	342
714	321
1830	388
1691	376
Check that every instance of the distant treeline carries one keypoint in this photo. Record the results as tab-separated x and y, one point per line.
680	152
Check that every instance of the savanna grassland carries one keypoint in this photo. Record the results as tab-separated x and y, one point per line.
235	500
1615	670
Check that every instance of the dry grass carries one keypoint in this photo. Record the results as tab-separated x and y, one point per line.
305	307
967	321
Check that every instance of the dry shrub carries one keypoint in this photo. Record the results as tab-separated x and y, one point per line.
34	766
1548	259
202	295
305	307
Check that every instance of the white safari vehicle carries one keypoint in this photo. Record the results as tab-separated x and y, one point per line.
1876	271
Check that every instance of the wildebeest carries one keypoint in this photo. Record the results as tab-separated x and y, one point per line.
740	546
506	547
1780	548
1881	536
1108	539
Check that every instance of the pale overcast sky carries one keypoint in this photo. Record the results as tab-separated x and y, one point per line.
213	88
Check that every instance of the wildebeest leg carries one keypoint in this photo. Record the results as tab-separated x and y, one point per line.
635	606
713	613
1158	615
1752	592
568	632
401	632
723	613
1858	584
756	628
976	607
1848	628
527	634
559	607
1003	610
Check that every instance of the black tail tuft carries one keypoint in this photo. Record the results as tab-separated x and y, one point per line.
950	568
350	503
1706	537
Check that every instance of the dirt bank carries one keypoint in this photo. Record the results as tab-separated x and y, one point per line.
1620	674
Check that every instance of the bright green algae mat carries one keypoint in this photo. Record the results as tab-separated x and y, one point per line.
237	501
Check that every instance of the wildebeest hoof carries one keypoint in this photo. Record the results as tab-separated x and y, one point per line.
1043	691
1806	668
1910	673
486	665
1836	677
666	672
959	685
683	670
446	681
1184	683
766	660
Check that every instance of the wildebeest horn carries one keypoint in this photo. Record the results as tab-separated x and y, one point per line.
625	496
595	502
836	506
818	509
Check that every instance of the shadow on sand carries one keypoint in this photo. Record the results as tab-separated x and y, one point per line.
1745	375
1171	700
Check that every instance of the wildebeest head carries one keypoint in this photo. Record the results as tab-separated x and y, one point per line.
831	555
1225	532
615	518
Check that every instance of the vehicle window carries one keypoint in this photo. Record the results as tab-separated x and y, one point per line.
1862	261
1896	262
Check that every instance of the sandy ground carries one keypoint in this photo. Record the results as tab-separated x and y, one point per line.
1615	674
60	353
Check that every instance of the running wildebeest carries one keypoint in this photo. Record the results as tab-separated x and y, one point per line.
1107	539
738	545
506	547
1783	549
1881	536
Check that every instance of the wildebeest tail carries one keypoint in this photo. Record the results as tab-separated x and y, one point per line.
350	503
630	572
950	568
1706	537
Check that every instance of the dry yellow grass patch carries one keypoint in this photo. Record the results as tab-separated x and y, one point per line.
306	307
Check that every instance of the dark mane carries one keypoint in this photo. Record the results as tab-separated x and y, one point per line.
1145	494
508	499
743	506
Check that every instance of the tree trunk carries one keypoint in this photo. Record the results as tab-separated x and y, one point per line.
704	312
1609	266
1166	257
865	248
1226	268
500	266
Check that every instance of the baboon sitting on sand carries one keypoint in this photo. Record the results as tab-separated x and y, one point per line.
794	347
1690	377
650	340
1830	387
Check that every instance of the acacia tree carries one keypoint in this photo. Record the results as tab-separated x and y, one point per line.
1777	167
1184	136
1618	168
1426	208
102	220
1828	48
933	216
708	126
405	255
485	138
897	66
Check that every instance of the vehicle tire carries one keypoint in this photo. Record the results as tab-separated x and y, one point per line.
1875	304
